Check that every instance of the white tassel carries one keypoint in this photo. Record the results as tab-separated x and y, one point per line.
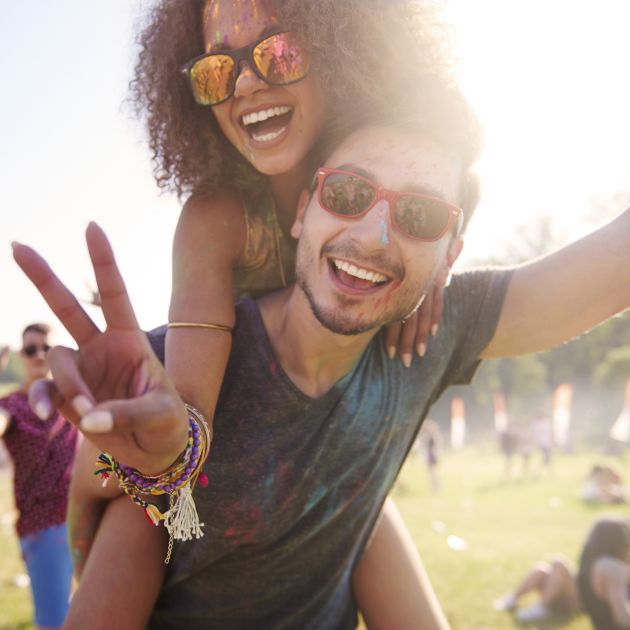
182	520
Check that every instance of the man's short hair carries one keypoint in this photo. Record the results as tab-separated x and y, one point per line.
37	327
440	112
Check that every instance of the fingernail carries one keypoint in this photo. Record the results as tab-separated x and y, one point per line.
82	404
42	409
434	329
391	352
422	348
99	421
406	359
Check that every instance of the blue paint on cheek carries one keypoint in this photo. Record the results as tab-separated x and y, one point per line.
384	238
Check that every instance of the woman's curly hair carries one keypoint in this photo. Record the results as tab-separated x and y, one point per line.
368	55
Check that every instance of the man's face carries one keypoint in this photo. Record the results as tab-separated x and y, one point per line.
34	350
335	254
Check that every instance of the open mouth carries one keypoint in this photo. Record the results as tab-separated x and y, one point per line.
268	124
354	277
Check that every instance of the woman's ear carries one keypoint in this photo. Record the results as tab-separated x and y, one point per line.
443	276
296	228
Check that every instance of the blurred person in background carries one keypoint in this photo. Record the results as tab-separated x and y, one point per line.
42	454
601	586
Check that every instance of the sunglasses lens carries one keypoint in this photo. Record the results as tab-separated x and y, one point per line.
212	79
346	195
421	217
31	350
281	59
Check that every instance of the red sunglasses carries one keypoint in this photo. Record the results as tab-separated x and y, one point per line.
421	217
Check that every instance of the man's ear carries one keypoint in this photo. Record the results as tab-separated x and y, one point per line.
443	276
296	228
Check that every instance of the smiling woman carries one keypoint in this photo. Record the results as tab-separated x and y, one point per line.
547	78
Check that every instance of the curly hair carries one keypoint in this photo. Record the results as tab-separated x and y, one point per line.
367	55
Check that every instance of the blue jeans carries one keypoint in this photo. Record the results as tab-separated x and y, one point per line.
47	557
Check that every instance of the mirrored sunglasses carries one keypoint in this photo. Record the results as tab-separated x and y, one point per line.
419	216
277	59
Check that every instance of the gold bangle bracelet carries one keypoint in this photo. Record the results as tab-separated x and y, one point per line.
200	325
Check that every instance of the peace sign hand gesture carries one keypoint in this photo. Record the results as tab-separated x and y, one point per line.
113	387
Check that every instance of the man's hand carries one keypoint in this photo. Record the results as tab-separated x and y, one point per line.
4	357
113	387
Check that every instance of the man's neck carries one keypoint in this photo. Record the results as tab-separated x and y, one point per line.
312	356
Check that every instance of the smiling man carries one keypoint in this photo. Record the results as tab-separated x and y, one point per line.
314	421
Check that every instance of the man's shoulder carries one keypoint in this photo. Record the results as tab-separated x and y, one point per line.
247	319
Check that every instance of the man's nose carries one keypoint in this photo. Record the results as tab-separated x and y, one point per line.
375	226
247	81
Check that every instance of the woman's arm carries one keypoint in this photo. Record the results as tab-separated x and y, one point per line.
123	574
390	583
209	240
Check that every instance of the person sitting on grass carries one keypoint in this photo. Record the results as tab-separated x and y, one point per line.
601	587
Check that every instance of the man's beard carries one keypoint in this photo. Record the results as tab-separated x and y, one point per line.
336	318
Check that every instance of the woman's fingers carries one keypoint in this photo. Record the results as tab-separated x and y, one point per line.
423	323
70	387
156	421
115	302
438	304
62	302
407	337
391	338
44	398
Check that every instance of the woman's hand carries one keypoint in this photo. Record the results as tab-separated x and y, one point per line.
413	333
113	387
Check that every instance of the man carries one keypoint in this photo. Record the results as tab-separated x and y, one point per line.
314	421
42	452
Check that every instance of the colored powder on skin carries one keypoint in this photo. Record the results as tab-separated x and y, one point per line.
384	239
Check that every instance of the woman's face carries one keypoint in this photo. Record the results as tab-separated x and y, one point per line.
293	114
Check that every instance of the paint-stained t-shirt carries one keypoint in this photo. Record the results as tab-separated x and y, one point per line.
43	454
296	483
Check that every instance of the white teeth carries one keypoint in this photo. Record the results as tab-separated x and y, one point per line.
264	114
266	137
358	272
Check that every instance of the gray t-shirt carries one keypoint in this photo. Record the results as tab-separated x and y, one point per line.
296	484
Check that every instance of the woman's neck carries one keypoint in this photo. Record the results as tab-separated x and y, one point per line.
285	190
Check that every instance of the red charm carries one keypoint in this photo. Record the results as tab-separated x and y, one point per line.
203	480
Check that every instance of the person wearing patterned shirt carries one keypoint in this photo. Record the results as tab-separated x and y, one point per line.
43	455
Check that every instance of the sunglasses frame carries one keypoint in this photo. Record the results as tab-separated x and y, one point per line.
246	53
391	196
32	349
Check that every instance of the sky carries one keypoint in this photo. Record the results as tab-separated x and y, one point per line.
548	79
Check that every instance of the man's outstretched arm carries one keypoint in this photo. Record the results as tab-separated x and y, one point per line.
555	298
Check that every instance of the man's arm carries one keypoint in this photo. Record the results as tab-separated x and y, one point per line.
555	298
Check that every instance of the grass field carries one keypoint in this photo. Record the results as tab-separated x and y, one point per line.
505	525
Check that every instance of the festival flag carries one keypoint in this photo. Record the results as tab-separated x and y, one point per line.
562	414
458	423
500	412
620	431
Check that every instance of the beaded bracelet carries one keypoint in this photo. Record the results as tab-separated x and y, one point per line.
181	519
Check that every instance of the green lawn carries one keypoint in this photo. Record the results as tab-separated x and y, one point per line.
506	525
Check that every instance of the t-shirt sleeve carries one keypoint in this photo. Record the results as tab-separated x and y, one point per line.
157	339
472	307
